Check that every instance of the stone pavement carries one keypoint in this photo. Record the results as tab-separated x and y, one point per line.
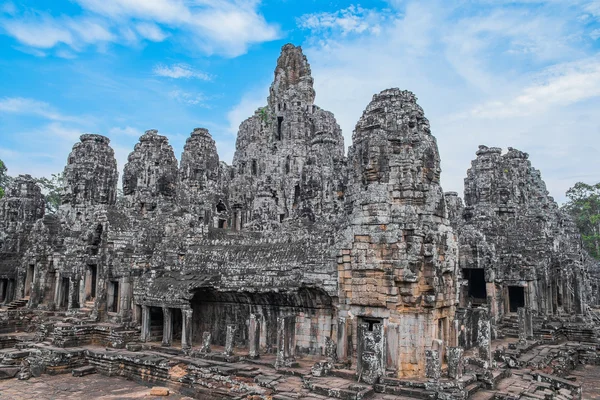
58	387
589	377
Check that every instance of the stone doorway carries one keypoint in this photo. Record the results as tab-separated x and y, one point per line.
156	324
516	298
90	282
3	290
477	291
63	296
370	349
113	297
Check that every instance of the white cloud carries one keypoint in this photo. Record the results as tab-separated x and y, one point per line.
226	27
564	84
515	68
353	19
188	97
151	31
177	71
126	131
250	102
27	106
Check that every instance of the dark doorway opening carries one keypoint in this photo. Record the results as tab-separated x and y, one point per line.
3	290
177	319
516	298
113	297
477	290
156	324
63	301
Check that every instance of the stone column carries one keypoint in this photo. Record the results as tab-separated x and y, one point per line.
286	341
167	337
484	342
456	363
522	325
253	336
145	324
73	291
206	337
529	323
230	339
186	329
342	339
433	367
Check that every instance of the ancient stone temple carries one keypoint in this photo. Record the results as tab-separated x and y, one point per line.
297	267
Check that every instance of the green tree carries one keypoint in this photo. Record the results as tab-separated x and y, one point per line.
5	180
584	205
51	189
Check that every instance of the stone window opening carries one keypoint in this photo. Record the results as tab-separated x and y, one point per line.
254	168
371	322
279	123
296	195
221	207
287	165
516	298
3	290
222	224
279	107
284	106
281	217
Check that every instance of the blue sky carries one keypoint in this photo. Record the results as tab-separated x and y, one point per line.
524	73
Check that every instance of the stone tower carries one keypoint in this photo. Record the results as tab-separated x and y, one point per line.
398	259
201	181
288	164
150	175
90	177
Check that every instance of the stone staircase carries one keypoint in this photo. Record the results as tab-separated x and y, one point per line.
509	327
19	303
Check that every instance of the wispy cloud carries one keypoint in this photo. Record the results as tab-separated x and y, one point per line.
226	27
189	98
26	106
177	71
353	19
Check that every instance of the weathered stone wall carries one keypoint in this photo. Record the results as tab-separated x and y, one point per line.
398	253
296	248
512	229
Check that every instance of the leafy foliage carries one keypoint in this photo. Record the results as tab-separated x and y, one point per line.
264	115
52	188
5	180
584	206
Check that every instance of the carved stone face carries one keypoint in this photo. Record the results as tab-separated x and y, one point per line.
504	196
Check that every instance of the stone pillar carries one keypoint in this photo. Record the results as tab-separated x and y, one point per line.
230	339
456	363
529	323
186	329
253	336
522	325
73	291
2	290
206	337
167	337
145	324
433	367
484	342
342	339
286	341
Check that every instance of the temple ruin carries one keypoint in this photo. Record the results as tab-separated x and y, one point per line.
299	264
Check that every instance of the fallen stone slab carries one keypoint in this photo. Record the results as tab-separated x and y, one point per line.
83	371
159	391
8	372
